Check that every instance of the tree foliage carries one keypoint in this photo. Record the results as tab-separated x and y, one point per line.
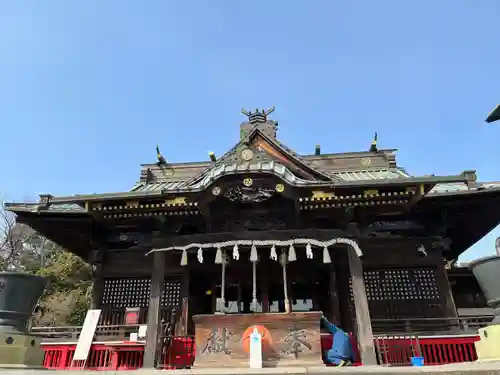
67	296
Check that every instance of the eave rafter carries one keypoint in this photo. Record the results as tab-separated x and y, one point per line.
183	201
366	198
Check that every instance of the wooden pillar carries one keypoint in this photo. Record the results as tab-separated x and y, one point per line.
97	286
181	325
153	330
97	260
363	320
446	292
334	298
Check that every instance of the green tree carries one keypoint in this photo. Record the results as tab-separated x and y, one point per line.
67	297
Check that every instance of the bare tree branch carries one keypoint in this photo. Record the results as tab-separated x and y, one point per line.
16	239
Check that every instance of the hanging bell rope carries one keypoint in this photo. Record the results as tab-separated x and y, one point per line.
254	286
283	261
254	257
253	254
223	285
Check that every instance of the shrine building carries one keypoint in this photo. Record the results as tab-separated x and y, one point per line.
264	237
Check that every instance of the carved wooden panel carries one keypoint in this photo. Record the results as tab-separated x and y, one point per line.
287	339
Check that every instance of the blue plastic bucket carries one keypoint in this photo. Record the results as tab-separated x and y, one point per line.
417	361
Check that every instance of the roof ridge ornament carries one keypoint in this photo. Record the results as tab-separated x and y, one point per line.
258	117
159	157
373	146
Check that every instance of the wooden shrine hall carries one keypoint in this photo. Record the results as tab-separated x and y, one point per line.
264	237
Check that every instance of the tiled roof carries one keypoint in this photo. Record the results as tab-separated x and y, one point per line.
58	207
225	159
373	174
297	157
456	187
271	167
70	207
223	169
157	186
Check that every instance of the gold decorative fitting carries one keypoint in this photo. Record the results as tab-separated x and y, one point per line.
248	182
366	162
132	204
321	195
247	154
168	172
177	201
280	188
216	190
309	206
370	193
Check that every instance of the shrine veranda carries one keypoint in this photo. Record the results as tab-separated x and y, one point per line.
262	236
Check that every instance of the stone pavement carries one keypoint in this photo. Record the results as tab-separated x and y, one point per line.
471	368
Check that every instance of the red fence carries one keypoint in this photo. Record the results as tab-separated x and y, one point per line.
180	353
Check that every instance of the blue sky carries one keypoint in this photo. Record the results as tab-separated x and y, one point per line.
88	88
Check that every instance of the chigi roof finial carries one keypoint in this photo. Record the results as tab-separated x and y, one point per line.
257	117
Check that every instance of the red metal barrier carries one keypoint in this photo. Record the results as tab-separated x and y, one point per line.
434	350
101	357
181	353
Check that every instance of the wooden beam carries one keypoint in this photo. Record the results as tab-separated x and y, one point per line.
153	330
363	321
415	198
446	292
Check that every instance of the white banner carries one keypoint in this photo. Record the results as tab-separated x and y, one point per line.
86	335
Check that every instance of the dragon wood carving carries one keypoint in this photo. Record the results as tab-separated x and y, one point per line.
250	194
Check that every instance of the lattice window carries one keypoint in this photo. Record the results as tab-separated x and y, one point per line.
394	292
135	292
126	292
171	293
401	284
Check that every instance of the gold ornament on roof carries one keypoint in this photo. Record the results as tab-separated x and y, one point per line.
248	182
216	190
280	188
247	154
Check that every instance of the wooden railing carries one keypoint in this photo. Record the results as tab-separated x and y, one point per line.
431	326
72	333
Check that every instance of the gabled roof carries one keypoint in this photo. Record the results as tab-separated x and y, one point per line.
292	155
310	170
